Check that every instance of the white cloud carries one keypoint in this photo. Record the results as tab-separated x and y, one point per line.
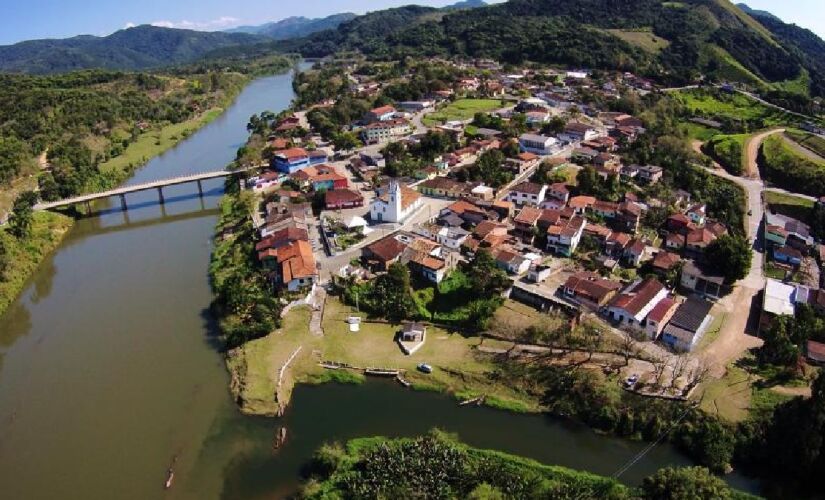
211	25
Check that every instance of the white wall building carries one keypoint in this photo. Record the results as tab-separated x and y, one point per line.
398	203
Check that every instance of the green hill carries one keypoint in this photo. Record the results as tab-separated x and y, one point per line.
129	49
293	27
687	39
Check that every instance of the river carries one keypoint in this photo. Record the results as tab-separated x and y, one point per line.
109	371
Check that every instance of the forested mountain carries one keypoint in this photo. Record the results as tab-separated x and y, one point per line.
675	42
129	49
755	12
294	27
466	4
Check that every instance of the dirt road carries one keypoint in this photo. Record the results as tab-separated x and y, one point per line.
751	151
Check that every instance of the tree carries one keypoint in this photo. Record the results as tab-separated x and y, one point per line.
346	141
486	279
778	348
22	214
685	483
729	256
391	294
588	181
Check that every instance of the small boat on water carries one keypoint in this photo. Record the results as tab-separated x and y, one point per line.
169	479
424	368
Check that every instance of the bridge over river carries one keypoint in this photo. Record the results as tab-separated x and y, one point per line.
146	186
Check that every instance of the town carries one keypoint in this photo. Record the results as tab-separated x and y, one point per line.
521	169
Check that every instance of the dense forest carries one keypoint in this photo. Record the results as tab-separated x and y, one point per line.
575	33
83	119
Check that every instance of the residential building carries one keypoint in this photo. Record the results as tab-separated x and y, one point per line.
688	325
659	316
650	174
296	266
525	223
697	214
664	262
290	160
578	132
511	261
385	131
465	212
776	235
581	204
381	114
634	253
675	241
631	307
788	255
398	203
339	199
693	279
590	289
527	193
559	191
538	144
452	237
697	240
539	273
779	300
798	233
322	177
815	352
383	253
563	238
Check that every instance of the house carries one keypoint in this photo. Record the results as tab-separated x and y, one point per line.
264	181
523	162
779	300
317	157
339	199
539	273
627	218
431	268
538	144
465	211
296	266
675	241
650	174
416	106
525	223
564	237
584	156
443	187
578	132
581	204
788	255
381	114
606	209
799	233
597	231
590	289
527	193
373	159
385	131
268	247
559	191
413	332
659	316
697	240
511	261
616	243
693	279
631	307
697	214
382	253
322	177
398	203
815	352
688	325
664	261
452	237
678	223
776	235
290	160
634	252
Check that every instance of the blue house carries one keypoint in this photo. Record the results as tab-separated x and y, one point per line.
788	255
290	160
317	157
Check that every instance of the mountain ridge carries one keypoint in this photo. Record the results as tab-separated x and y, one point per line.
294	26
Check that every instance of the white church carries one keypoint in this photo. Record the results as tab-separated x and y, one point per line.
395	205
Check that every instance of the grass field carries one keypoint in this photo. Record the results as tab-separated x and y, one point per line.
786	167
458	367
642	38
698	132
790	205
24	256
462	109
727	67
155	141
813	142
734	107
728	150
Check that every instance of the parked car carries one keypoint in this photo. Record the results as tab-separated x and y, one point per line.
631	381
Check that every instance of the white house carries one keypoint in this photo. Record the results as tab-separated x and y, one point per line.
538	144
452	237
631	307
563	238
527	193
398	203
385	131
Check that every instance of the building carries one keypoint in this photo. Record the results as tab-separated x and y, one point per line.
413	332
590	289
578	132
511	261
452	237
659	316
538	144
381	114
322	177
631	307
697	214
290	160
296	266
688	324
693	279
665	261
527	193
788	255
563	238
385	131
416	106
398	203
650	174
559	191
815	352
779	300
339	199
383	253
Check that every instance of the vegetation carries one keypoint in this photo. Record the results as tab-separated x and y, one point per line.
808	140
728	150
141	47
244	299
786	168
729	256
462	109
438	466
736	112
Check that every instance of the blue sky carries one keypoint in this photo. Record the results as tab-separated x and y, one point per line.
28	19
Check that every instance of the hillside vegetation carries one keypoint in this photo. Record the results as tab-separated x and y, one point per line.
675	42
783	166
727	151
135	48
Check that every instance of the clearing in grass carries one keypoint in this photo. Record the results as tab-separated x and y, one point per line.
462	109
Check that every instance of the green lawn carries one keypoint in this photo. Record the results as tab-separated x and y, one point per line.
786	167
813	142
155	141
462	109
727	150
735	107
642	38
698	132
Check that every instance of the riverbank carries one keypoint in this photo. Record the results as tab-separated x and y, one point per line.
461	369
24	256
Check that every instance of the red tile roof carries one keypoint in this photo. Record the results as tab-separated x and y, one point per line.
635	299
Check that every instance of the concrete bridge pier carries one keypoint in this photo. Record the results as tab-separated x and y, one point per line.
160	196
89	207
123	204
200	189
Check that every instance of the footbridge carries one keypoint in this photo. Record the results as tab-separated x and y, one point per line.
121	192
